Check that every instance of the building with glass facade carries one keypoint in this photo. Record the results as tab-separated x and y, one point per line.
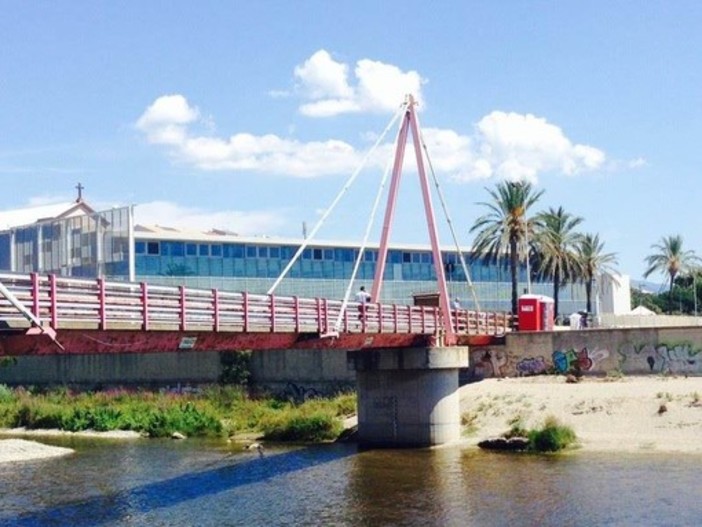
83	243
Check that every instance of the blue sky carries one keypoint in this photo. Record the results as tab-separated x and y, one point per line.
251	116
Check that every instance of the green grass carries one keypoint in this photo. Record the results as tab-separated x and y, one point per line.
552	437
215	411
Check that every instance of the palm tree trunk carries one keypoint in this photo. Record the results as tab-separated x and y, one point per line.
556	287
670	294
513	264
588	295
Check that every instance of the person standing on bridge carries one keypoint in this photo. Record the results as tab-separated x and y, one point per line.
363	297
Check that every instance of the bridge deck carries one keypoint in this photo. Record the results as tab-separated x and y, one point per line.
261	321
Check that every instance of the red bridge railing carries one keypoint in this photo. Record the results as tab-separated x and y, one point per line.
68	302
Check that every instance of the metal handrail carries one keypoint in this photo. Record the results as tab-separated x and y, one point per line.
110	305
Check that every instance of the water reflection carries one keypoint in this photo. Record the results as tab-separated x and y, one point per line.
112	502
200	483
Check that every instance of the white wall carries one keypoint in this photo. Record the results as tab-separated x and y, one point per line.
614	294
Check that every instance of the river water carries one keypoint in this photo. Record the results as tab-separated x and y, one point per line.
192	482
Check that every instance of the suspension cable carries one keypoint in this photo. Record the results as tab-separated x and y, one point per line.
369	225
327	212
449	221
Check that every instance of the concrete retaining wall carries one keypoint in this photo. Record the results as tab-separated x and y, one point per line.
593	351
296	374
119	369
301	373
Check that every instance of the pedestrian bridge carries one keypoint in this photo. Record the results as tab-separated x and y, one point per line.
406	357
98	316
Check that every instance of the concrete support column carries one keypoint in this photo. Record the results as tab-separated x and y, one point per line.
408	397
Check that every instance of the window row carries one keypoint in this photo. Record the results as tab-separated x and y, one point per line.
269	268
284	252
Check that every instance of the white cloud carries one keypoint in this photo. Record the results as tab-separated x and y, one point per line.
379	87
504	145
265	153
522	147
165	120
637	163
323	77
170	214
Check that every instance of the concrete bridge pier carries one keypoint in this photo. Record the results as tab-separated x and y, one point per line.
408	397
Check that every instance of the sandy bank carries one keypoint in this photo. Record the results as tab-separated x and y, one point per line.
630	414
23	450
113	434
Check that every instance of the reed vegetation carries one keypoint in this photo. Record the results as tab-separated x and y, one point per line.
212	411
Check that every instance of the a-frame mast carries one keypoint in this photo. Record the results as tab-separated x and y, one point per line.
409	122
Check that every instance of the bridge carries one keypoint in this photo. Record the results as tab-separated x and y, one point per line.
97	316
406	357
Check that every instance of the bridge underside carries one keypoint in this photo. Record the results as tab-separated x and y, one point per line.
82	341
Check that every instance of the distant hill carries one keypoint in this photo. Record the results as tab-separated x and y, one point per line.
649	287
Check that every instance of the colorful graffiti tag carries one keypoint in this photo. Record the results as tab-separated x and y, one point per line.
682	357
565	361
489	363
531	366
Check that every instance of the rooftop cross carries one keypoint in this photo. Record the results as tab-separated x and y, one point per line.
79	188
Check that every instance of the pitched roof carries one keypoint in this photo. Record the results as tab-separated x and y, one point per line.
641	310
18	217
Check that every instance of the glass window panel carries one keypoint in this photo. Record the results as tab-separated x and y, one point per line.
140	248
178	249
235	251
216	267
203	249
317	254
343	255
263	252
152	248
274	252
216	250
328	254
191	249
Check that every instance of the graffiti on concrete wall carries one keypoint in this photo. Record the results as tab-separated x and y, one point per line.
493	362
531	366
490	363
585	360
682	357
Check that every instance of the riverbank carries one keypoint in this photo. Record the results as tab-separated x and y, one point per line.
12	450
18	448
628	414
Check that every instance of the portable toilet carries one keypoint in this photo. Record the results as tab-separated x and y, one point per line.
535	313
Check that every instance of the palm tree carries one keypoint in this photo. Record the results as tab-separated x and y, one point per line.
556	242
669	259
593	262
504	230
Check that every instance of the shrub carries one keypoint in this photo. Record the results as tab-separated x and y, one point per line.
236	367
316	426
551	438
225	398
6	394
345	404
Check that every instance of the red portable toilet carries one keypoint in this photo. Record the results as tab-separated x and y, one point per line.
535	313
